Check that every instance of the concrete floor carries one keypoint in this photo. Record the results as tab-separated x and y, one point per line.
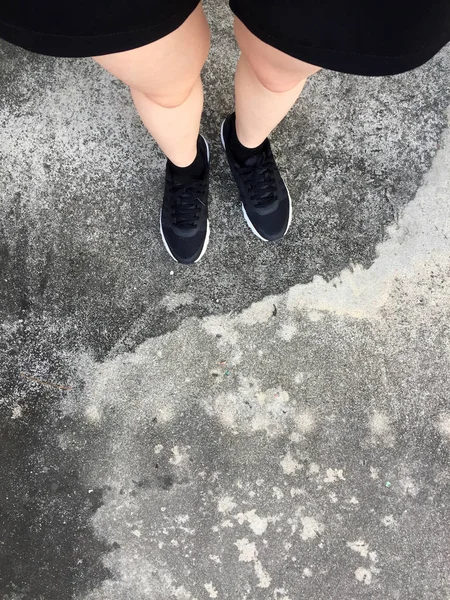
272	423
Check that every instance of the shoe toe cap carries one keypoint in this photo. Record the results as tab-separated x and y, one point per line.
184	250
273	226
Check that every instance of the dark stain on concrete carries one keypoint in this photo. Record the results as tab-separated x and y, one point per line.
48	549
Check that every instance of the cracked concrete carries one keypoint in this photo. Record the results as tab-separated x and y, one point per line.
273	423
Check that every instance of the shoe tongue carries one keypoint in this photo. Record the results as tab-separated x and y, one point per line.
182	178
186	176
255	160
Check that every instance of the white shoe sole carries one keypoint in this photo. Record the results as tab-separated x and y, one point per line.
249	223
206	242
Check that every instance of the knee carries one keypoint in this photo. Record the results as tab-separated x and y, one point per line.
276	71
274	79
169	98
171	90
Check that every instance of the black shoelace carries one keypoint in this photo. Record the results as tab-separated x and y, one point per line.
187	203
260	179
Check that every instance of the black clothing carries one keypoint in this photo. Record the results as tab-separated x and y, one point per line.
366	37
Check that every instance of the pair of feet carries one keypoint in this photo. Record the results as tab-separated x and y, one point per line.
266	202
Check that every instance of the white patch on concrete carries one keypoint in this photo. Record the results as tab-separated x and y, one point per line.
311	528
93	414
388	521
211	590
444	426
315	316
333	475
287	331
158	448
179	593
307	572
277	493
259	312
379	423
305	421
166	414
182	519
16	412
374	473
250	408
380	427
360	547
215	559
248	553
227	524
363	575
257	524
290	465
314	469
177	457
409	487
247	550
262	575
225	411
280	594
173	301
226	504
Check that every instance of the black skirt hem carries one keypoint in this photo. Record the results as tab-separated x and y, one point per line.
80	46
353	63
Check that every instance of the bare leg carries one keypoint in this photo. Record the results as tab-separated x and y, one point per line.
268	82
165	84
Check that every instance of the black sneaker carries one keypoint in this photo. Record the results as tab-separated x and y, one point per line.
184	214
266	202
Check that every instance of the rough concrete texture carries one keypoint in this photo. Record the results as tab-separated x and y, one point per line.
272	423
